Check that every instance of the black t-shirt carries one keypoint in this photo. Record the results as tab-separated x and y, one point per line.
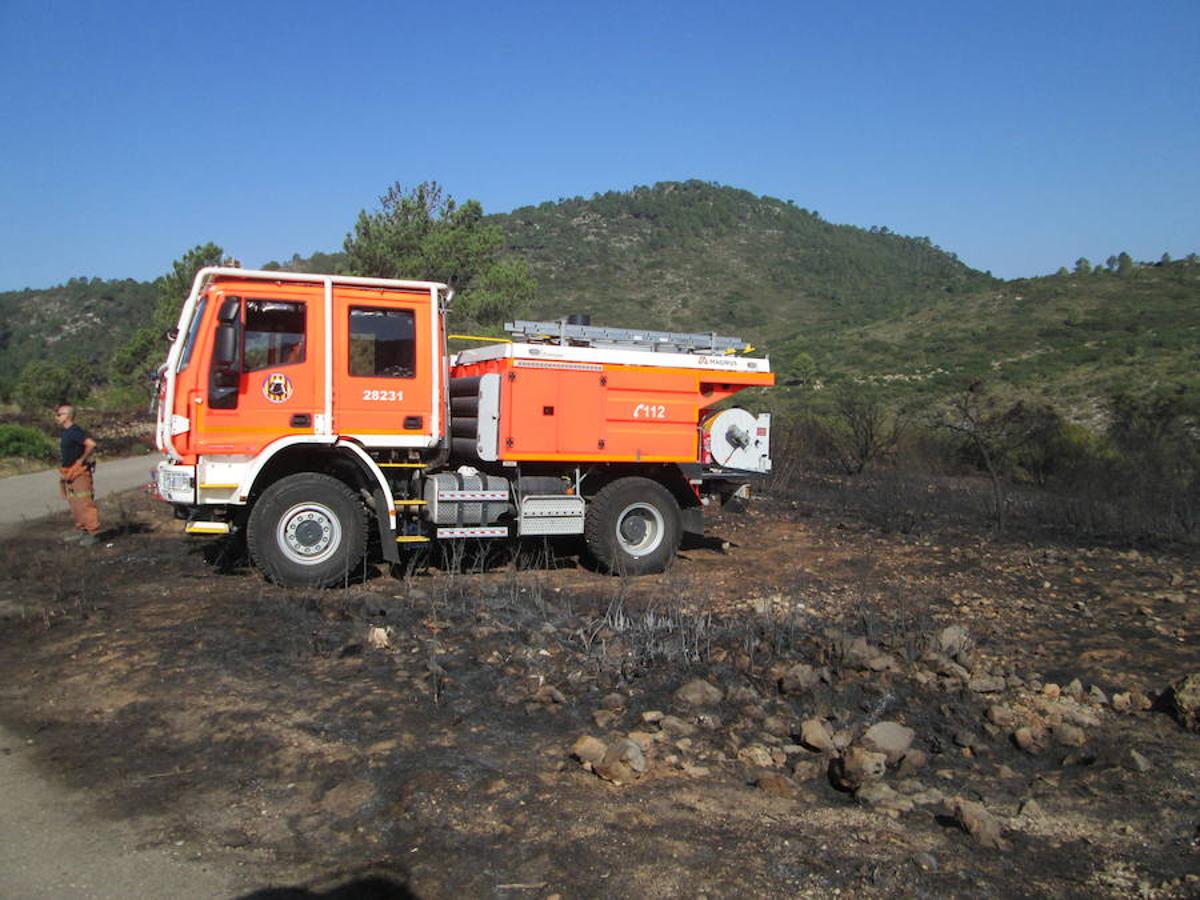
71	445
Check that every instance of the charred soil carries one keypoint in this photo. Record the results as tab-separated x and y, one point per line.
423	729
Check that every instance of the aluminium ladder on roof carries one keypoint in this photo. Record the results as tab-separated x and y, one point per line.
634	339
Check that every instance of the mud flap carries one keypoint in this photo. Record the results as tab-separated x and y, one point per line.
387	536
692	520
737	500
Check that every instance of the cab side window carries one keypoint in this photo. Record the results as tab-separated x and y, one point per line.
275	334
382	342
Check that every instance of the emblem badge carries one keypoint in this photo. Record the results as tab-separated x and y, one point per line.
277	387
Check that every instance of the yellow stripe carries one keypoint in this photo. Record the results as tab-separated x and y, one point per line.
401	465
410	503
473	337
411	539
217	487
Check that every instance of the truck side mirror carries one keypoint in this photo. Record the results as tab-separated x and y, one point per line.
225	371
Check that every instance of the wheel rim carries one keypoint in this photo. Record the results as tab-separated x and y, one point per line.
309	533
640	529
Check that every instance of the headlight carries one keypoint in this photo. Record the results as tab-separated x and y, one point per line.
177	485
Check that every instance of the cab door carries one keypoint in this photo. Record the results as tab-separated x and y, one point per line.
386	367
277	358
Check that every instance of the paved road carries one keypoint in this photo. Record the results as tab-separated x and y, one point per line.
34	496
52	845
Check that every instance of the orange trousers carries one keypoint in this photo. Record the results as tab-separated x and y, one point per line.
80	494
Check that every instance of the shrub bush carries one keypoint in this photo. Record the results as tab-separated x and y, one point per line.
24	442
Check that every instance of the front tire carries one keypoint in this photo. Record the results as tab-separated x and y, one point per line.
307	530
633	527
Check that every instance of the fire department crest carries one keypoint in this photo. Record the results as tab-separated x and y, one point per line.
277	387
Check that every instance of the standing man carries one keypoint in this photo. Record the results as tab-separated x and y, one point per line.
75	476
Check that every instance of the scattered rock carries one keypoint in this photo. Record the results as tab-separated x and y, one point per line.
1121	702
1137	762
814	736
976	821
1027	739
857	766
652	716
1184	700
856	652
966	738
1074	690
775	784
711	721
613	702
1097	696
589	749
1052	690
883	662
889	738
799	678
604	718
756	755
378	638
914	761
987	684
1001	716
1140	701
808	770
699	692
676	727
928	797
1069	735
878	794
622	763
954	641
643	739
1032	810
777	725
925	862
549	694
1084	718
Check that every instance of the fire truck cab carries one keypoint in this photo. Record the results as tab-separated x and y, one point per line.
316	414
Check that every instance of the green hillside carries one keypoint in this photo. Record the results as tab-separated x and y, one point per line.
693	255
80	323
1071	340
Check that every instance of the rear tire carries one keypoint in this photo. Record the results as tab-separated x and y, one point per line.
307	530
633	527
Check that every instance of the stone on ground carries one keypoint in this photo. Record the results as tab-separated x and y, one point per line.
889	738
699	692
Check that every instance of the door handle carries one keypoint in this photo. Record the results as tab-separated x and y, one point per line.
301	420
411	423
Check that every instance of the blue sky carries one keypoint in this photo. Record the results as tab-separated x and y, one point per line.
1018	135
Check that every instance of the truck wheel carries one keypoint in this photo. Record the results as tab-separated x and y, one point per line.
307	530
633	526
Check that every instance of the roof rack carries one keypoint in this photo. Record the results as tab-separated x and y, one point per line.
565	334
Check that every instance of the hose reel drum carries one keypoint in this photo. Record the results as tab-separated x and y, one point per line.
736	439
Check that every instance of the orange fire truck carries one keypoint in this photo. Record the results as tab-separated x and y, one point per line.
316	413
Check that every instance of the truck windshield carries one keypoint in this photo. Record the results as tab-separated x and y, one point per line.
193	328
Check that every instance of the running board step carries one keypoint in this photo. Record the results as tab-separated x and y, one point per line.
207	528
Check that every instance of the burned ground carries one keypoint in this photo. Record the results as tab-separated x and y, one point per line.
425	729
